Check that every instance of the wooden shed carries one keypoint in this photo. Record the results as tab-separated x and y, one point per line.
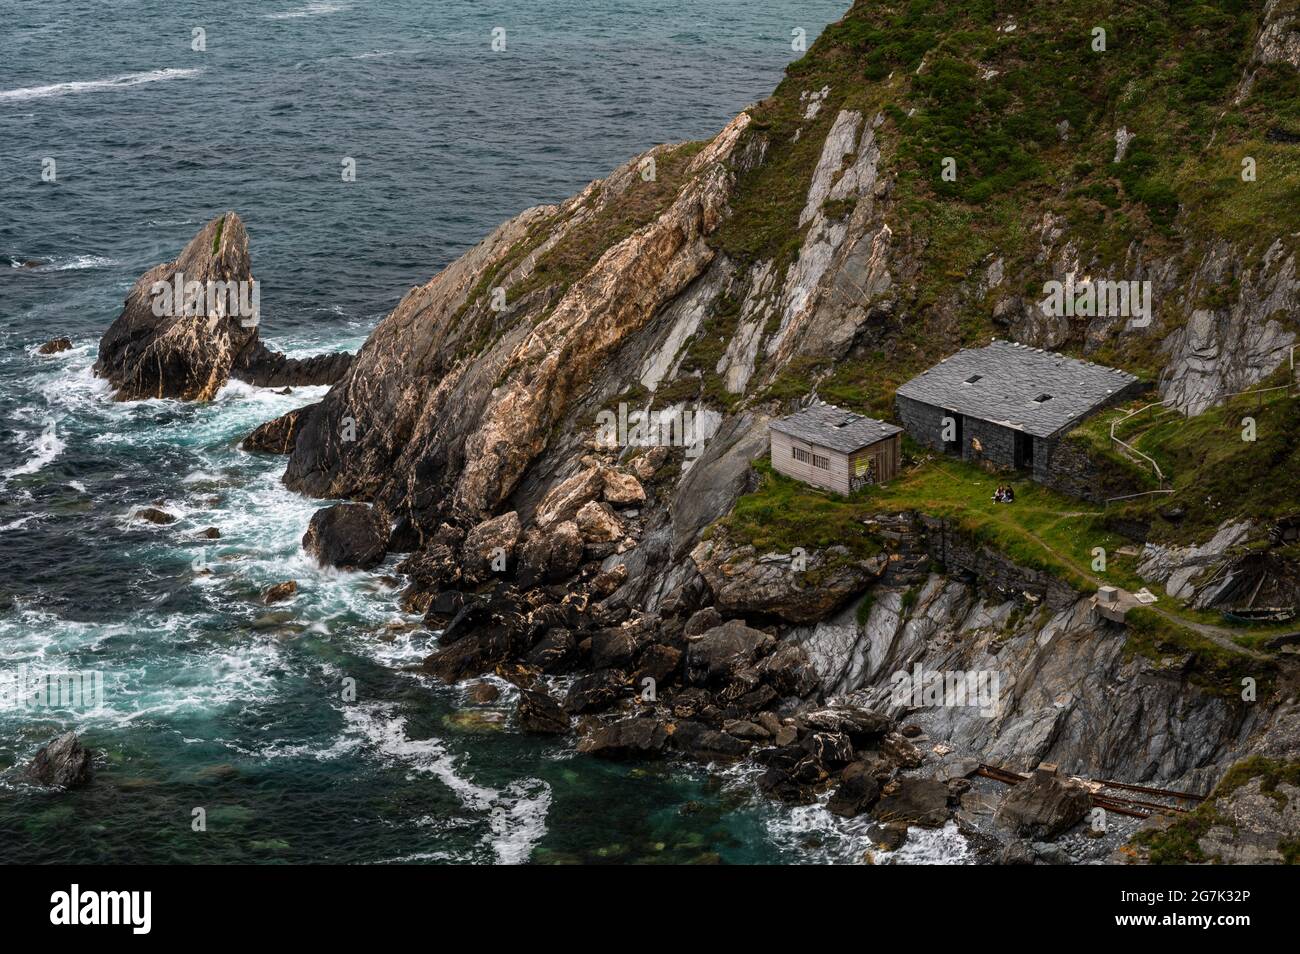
835	449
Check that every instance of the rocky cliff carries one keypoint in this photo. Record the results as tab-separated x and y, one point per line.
556	428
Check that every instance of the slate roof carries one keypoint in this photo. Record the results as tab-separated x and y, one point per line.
829	426
1005	382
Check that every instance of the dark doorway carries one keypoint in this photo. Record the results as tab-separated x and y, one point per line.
953	446
1024	450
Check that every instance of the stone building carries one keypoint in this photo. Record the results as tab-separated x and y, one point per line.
838	450
1009	405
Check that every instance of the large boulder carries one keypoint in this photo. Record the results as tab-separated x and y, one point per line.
629	739
622	490
719	654
549	556
165	345
746	582
914	801
1043	806
569	496
64	763
537	713
350	536
490	546
598	524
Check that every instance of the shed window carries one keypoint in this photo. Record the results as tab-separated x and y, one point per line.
1042	399
823	462
973	378
799	454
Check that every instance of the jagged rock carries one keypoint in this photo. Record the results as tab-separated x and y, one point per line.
1043	806
55	345
862	726
191	357
789	671
484	693
549	556
899	750
348	536
598	523
277	436
749	731
914	801
631	738
210	533
64	763
539	714
471	656
719	654
607	581
622	489
428	569
596	690
792	774
280	592
646	465
831	749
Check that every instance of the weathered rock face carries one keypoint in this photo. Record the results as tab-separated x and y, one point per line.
1252	824
190	357
348	536
64	763
721	653
539	714
465	445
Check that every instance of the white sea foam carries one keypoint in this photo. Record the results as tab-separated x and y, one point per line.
43	449
516	816
88	86
309	10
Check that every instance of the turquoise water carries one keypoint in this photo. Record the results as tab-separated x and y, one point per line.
213	701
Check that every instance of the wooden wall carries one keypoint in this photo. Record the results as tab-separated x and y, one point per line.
836	478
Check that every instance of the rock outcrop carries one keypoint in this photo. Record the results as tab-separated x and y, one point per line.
348	536
64	763
190	325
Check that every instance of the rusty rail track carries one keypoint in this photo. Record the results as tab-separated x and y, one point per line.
1120	804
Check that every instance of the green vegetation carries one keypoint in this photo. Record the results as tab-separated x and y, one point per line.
1178	842
1214	473
216	239
783	514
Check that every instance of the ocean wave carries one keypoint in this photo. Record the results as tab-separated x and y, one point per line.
86	86
43	449
310	10
516	816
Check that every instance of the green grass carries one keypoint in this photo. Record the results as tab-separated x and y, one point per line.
1178	843
783	514
216	239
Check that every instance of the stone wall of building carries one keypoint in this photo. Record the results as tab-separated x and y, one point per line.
923	423
996	443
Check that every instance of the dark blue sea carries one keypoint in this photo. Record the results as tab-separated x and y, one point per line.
212	701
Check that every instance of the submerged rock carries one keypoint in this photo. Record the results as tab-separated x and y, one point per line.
64	763
631	738
280	592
